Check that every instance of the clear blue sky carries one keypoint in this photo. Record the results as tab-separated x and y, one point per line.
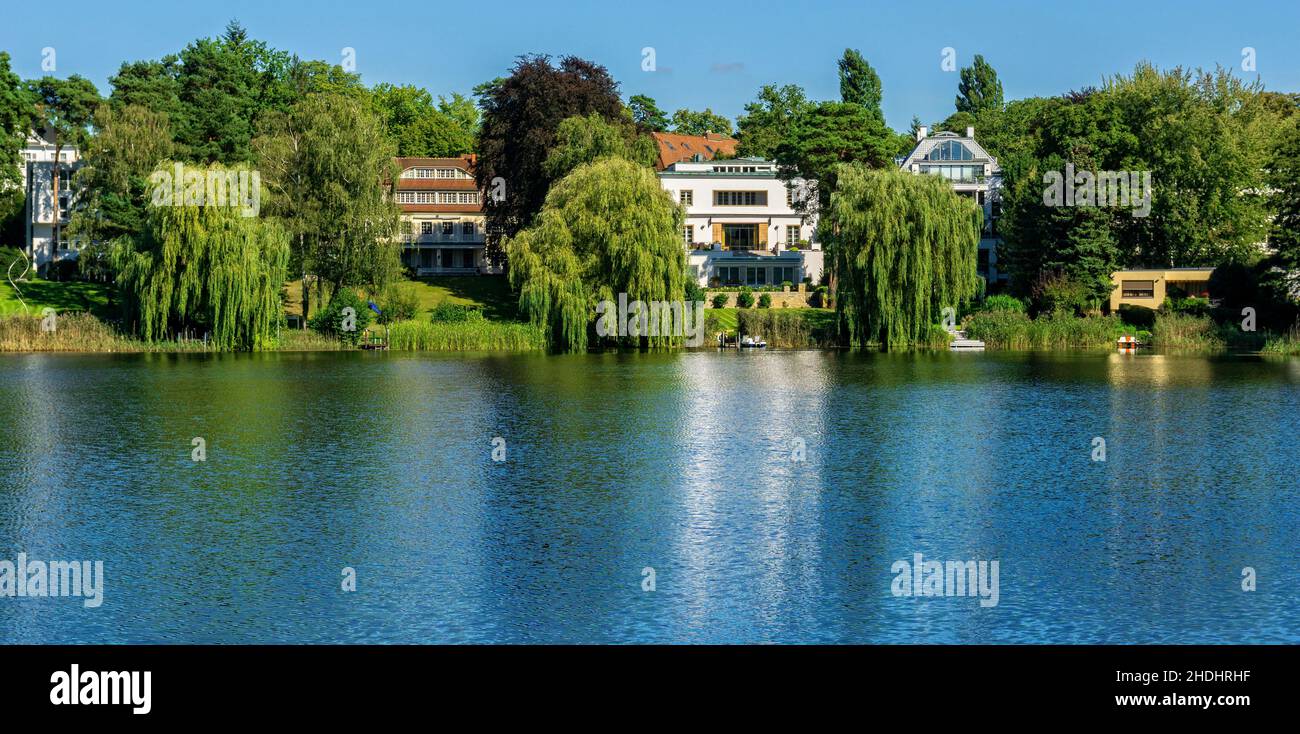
708	54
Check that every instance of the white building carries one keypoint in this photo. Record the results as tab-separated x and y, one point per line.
973	173
38	184
742	226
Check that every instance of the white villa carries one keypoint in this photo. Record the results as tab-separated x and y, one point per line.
442	213
38	183
742	226
972	172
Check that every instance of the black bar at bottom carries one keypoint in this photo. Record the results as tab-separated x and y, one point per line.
209	684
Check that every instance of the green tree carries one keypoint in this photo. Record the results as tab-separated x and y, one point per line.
690	122
607	228
65	109
979	88
584	139
859	83
521	116
769	118
15	123
831	133
646	114
324	161
902	248
1285	176
203	270
113	183
422	128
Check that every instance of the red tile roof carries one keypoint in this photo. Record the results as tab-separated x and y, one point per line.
674	147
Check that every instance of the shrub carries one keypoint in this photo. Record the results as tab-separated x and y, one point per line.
455	313
1059	293
937	337
745	298
765	301
694	293
1139	316
331	320
720	300
398	303
1001	302
1187	305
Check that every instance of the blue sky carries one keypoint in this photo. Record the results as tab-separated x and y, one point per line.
707	54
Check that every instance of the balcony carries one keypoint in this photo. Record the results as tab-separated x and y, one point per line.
443	239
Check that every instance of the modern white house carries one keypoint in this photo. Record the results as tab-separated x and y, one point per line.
38	170
442	216
742	223
972	172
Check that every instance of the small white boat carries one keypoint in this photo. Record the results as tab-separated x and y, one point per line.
750	342
966	345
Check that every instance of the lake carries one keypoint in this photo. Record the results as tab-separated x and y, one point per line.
764	497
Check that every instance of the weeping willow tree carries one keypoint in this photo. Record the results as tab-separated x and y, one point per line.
607	228
902	247
202	265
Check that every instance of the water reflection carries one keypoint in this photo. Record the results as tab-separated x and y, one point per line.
679	462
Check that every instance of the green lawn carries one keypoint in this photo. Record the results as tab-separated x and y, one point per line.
489	292
62	296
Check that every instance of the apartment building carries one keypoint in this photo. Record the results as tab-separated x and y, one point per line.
442	216
744	225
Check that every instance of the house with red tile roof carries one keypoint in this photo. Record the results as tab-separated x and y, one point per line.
442	216
675	148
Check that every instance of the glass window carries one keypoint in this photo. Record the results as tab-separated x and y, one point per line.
687	197
1138	288
426	227
448	229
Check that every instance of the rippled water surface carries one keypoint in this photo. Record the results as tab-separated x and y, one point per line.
678	462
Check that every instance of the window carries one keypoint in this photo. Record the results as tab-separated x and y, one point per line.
962	174
467	229
686	196
1138	288
688	235
791	235
448	229
426	227
728	275
949	150
740	198
425	172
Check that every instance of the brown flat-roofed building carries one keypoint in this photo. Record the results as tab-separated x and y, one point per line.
1148	288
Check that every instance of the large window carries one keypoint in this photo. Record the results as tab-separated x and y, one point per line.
740	198
1138	288
740	236
949	150
961	174
426	227
686	197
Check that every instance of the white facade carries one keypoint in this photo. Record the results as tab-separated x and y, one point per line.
38	184
742	225
973	173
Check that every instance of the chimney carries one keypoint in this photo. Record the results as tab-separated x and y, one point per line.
921	132
970	132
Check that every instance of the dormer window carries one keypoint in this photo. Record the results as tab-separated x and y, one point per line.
949	150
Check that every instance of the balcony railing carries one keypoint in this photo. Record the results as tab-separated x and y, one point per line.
444	239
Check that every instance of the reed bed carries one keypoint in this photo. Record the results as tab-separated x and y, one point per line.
1016	331
465	336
